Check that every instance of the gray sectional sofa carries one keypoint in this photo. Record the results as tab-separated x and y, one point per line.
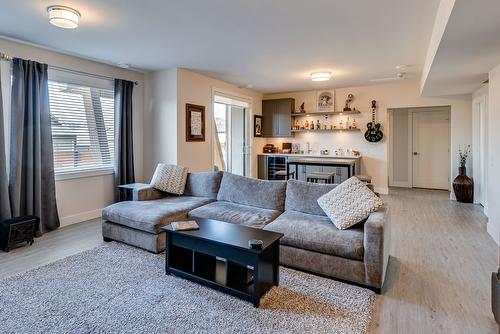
310	243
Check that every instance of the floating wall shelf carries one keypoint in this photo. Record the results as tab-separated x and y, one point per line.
324	130
313	114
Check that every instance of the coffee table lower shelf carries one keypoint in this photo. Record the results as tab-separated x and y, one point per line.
242	293
224	266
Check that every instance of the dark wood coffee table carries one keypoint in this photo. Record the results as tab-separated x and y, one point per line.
217	255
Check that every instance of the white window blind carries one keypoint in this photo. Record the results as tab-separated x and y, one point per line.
82	119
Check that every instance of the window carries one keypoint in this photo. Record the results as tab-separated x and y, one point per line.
82	119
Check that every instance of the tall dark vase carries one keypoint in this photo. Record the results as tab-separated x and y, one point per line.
463	186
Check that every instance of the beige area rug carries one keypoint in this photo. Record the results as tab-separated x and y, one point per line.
120	289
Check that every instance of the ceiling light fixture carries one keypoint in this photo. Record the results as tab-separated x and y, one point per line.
321	76
63	17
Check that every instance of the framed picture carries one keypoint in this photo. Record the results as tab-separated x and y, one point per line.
257	126
195	122
325	101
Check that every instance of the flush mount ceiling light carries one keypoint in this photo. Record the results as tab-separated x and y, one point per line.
321	76
63	17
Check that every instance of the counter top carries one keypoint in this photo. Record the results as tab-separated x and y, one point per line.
330	156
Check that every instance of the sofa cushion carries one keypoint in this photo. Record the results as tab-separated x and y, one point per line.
247	191
235	213
204	184
150	216
349	203
170	178
318	234
303	196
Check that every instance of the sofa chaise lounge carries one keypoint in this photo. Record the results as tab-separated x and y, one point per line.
311	242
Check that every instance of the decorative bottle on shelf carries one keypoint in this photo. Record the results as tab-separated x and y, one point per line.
326	126
306	126
318	126
341	124
354	125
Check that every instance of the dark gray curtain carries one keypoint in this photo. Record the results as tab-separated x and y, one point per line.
32	184
4	183
124	156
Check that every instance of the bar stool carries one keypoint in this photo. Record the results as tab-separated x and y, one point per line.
327	177
364	178
291	174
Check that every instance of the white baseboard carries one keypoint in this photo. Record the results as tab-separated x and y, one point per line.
400	184
493	231
80	217
383	191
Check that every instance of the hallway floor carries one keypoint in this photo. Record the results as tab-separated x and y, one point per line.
438	280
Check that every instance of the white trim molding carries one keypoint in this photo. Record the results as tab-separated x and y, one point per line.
83	173
80	217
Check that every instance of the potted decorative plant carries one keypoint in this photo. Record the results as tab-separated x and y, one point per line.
463	185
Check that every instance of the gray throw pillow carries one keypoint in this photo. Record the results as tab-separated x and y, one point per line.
349	203
170	178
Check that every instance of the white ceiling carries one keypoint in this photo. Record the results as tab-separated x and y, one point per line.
468	50
270	44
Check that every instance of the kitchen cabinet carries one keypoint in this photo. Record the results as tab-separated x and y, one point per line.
276	117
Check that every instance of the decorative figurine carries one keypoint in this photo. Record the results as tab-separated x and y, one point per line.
302	109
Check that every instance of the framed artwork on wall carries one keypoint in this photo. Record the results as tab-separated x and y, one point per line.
195	122
325	101
257	126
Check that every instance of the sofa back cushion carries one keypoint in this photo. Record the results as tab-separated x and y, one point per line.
247	191
303	196
203	184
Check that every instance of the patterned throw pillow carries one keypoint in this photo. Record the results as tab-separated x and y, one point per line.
170	178
349	203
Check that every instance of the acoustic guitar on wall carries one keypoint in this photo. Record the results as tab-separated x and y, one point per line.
373	134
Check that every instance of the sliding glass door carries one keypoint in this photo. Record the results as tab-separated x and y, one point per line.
230	141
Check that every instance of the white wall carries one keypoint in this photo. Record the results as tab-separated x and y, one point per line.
160	120
479	98
83	198
196	88
404	94
493	154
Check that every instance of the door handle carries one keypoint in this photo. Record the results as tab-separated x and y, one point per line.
416	153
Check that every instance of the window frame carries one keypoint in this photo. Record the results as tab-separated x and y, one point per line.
62	76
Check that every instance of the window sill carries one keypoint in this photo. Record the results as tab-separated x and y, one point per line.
82	174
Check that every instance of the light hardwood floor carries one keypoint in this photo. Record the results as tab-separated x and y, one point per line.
438	279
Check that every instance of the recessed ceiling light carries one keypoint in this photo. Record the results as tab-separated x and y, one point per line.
63	17
321	76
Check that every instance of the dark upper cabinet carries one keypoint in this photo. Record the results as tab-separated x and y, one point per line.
276	117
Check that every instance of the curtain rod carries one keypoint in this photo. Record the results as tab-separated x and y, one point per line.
4	56
84	73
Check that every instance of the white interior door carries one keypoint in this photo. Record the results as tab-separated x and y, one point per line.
431	149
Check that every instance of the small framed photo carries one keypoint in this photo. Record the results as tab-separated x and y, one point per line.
325	101
257	126
195	122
